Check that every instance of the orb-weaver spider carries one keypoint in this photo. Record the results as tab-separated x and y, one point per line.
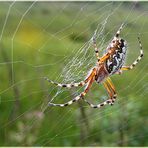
110	63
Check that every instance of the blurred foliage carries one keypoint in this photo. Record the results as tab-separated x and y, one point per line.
48	33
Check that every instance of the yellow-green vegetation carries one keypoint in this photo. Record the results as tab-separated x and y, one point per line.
36	45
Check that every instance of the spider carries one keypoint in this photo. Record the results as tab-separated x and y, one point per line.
110	63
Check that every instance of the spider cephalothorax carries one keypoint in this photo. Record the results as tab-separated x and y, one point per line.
110	63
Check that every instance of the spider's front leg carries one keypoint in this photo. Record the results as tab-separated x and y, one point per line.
90	79
137	60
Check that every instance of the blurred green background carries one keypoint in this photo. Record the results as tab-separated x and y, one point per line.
38	39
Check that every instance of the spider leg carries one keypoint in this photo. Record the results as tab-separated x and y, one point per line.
89	84
111	86
137	60
95	46
118	32
82	83
109	101
112	93
106	56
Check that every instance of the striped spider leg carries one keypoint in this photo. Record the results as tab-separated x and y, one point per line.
137	60
89	80
112	95
70	85
95	46
82	83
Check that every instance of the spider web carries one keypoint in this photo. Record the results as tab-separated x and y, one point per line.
54	39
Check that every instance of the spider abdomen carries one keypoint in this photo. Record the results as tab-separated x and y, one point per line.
116	60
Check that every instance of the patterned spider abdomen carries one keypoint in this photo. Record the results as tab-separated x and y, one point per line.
117	58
